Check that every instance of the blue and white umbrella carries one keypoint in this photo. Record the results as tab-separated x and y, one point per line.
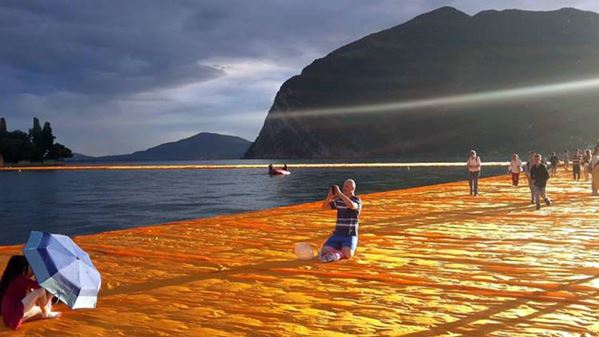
63	269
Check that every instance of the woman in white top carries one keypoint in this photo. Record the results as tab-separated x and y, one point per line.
473	164
515	168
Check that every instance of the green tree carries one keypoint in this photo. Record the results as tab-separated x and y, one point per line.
3	130
17	146
59	151
36	145
3	133
47	138
35	134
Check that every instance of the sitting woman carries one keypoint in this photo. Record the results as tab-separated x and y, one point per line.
21	297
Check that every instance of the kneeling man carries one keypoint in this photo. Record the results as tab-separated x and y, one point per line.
344	241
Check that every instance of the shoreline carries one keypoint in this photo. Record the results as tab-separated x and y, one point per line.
242	166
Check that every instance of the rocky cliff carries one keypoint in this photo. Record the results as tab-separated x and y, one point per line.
442	83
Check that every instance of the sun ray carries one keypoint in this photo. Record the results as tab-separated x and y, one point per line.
468	99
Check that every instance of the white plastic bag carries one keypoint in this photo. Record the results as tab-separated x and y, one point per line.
304	251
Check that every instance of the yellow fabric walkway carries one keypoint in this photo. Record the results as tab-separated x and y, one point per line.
432	261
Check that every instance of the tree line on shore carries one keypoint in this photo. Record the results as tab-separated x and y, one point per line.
36	146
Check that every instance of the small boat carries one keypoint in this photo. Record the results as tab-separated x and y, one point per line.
278	172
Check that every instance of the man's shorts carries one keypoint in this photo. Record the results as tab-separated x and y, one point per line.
340	241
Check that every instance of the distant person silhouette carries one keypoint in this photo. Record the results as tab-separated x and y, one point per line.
576	159
473	163
539	175
595	171
515	168
586	164
554	160
527	168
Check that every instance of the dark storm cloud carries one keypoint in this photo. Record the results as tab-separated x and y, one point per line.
90	47
121	47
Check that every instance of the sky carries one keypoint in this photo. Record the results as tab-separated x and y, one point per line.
118	76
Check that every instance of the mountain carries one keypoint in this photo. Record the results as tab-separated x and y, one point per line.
81	157
441	84
202	146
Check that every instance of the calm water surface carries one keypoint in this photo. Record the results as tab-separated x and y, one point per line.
83	202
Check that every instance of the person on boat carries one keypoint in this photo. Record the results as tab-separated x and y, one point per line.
278	171
473	164
515	168
343	242
539	176
21	297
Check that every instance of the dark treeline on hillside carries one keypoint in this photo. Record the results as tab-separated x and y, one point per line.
37	145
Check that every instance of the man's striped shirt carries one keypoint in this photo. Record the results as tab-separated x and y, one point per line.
347	218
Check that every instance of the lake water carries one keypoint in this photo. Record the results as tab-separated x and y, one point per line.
84	202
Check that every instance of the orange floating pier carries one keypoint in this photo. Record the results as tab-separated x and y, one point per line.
432	261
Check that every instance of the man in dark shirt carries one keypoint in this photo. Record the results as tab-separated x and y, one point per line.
576	159
527	167
344	241
539	176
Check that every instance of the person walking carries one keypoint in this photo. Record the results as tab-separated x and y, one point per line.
554	160
539	175
586	164
576	159
473	163
566	160
527	168
595	170
515	168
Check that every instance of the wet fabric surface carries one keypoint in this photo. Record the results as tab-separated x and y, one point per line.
432	261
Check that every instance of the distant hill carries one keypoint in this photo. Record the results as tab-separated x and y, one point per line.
325	112
80	157
203	146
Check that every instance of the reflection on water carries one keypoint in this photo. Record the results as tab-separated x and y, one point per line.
82	202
